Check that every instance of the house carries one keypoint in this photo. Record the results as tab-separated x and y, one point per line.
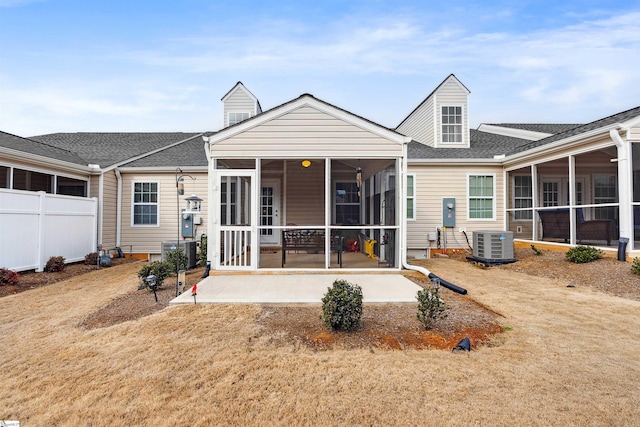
290	186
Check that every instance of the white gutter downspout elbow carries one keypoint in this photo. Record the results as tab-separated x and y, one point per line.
403	244
118	208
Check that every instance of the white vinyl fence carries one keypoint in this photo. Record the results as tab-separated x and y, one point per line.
35	226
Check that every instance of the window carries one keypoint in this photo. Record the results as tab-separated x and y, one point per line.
4	176
481	196
145	203
605	190
237	117
522	197
452	125
411	197
32	181
347	203
71	187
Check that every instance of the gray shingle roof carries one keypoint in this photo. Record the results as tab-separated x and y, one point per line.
108	148
29	146
484	145
551	128
189	153
616	118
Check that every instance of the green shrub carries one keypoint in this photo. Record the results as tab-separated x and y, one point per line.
635	267
55	263
582	254
203	250
160	269
430	306
178	258
8	277
91	258
342	306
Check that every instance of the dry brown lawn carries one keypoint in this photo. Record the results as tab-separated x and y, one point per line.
571	357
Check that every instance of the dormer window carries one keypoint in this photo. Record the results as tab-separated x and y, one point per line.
451	125
237	117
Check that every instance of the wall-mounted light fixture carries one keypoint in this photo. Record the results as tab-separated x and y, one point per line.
306	163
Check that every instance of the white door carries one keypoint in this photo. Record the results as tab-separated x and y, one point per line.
236	220
269	212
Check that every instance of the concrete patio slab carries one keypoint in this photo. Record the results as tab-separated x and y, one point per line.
297	288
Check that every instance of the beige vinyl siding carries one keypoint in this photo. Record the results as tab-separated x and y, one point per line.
307	132
433	183
634	133
109	210
419	125
149	239
451	94
240	102
305	207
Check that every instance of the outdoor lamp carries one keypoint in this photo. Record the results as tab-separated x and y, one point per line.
306	163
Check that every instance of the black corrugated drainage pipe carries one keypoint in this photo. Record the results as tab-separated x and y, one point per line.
432	276
448	285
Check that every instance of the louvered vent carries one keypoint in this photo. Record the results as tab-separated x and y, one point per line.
491	244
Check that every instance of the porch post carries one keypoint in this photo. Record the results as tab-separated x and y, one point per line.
625	185
213	213
534	201
572	200
327	212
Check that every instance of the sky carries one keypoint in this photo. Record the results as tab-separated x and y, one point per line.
156	66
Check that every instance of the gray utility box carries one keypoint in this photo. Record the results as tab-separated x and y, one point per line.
493	244
189	246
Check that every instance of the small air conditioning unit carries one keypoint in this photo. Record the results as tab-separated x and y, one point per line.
493	245
189	246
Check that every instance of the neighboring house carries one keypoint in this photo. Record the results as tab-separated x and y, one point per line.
310	170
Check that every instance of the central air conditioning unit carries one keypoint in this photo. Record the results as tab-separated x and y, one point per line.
188	246
493	245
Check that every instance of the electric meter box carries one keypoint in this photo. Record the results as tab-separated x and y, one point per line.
448	212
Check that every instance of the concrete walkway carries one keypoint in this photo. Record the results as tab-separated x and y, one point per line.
297	288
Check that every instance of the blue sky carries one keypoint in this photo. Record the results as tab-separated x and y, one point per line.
75	66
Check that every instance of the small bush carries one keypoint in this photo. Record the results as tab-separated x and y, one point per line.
160	269
179	258
635	267
8	277
55	263
431	307
582	254
342	306
91	258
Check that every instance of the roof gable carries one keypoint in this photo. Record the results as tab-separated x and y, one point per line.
307	100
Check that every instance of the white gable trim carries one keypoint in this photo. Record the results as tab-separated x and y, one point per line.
516	133
308	101
237	87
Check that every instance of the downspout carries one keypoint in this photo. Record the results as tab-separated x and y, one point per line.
211	244
624	183
403	219
118	208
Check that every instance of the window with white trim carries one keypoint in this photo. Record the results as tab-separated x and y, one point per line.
481	196
237	117
605	190
451	120
411	197
347	203
145	203
522	197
